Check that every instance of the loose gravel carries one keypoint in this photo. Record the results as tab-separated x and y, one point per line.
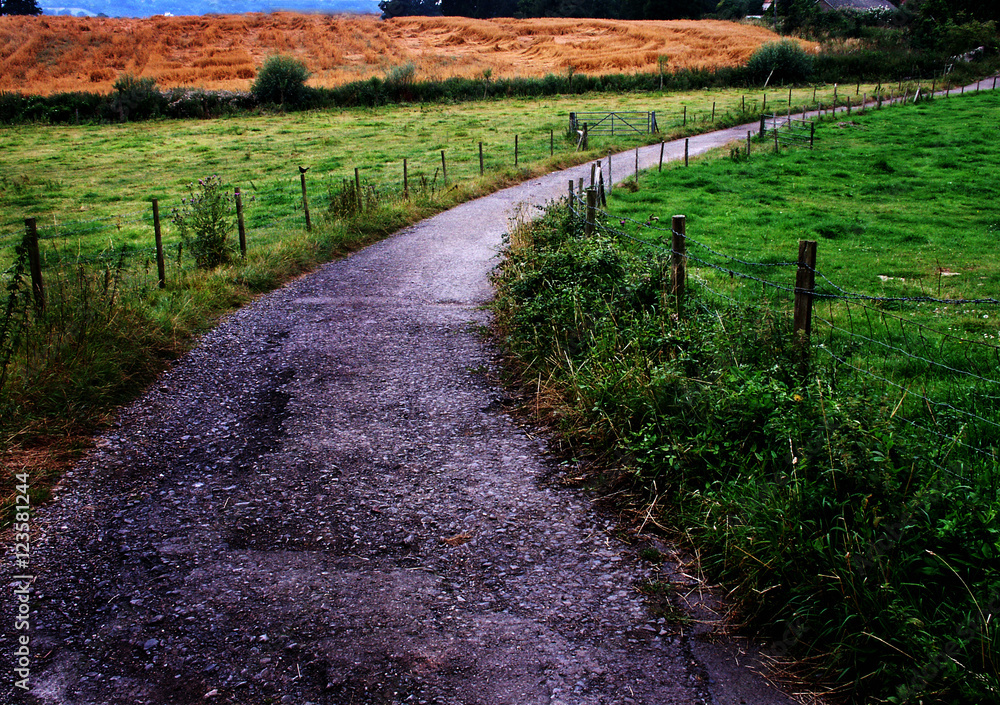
327	501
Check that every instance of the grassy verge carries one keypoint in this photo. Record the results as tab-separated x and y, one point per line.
851	507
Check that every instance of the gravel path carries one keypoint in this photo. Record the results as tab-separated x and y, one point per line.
326	502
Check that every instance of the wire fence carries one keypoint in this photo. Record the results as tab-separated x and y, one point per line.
933	377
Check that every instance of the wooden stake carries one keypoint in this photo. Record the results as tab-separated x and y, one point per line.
34	263
357	187
663	144
678	260
588	228
406	178
240	224
515	149
686	140
636	166
161	266
805	283
305	199
482	170
444	170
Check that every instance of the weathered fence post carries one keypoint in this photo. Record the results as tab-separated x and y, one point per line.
516	149
776	150
611	182
240	224
848	105
805	284
305	197
161	273
482	169
636	166
748	143
812	134
571	195
763	124
663	144
743	104
34	262
444	170
686	141
678	259
357	187
593	174
763	107
586	138
685	122
588	228
406	179
713	111
552	143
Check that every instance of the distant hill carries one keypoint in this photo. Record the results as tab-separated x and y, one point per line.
53	54
149	8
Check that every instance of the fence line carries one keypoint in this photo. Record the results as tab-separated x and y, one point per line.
918	387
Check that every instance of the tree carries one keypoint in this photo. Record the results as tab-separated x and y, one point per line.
409	8
20	7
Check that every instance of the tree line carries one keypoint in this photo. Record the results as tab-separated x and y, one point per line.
793	14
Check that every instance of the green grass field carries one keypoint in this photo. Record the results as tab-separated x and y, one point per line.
850	503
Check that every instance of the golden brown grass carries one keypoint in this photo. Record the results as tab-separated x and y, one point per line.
45	55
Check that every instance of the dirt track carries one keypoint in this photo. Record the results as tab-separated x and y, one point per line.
327	502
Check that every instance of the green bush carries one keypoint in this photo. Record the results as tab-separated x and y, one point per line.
779	62
281	81
204	222
135	99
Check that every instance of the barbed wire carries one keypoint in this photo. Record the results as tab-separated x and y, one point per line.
923	398
907	353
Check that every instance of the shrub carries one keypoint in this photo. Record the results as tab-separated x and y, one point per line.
204	222
281	81
785	61
135	98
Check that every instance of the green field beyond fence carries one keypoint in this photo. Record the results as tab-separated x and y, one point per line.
801	375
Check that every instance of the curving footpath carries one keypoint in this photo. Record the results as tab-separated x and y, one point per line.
326	502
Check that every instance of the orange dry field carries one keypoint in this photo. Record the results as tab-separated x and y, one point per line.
50	54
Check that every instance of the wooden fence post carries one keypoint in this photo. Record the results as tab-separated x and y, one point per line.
713	111
240	225
776	150
686	140
678	259
663	144
305	197
357	188
516	149
34	262
406	180
482	170
748	143
763	124
812	134
805	284
588	228
684	124
611	182
571	195
161	273
444	170
586	138
593	174
763	107
552	143
636	166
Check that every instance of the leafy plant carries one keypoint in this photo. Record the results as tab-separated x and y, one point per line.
205	222
135	98
281	81
785	61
